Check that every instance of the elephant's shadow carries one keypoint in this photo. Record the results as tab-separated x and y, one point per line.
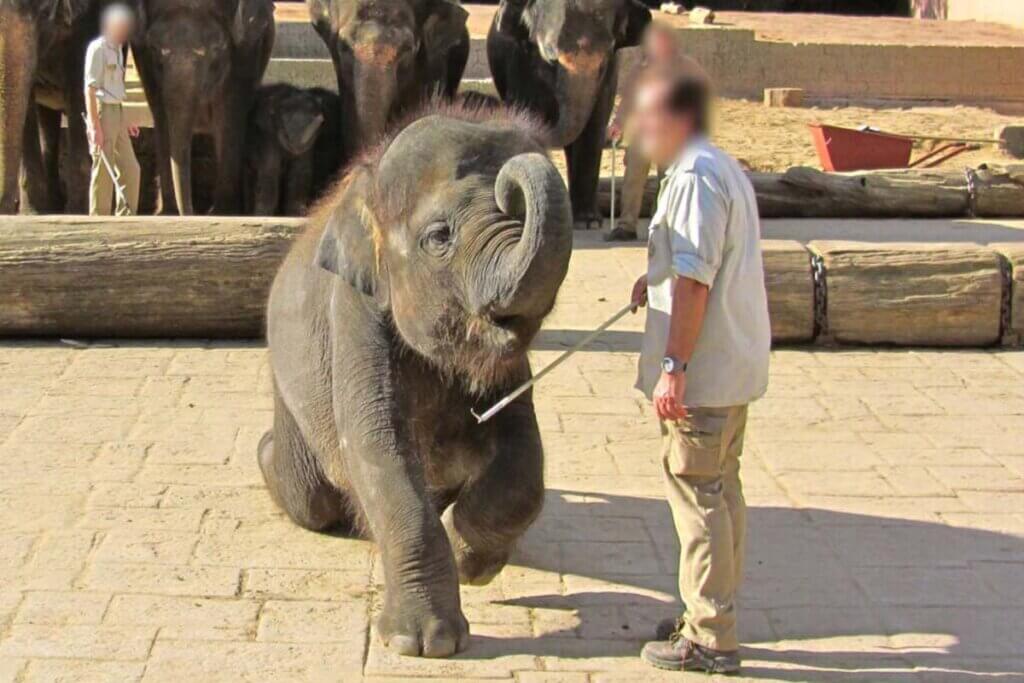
903	595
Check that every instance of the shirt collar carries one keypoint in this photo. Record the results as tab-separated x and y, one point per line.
688	155
111	45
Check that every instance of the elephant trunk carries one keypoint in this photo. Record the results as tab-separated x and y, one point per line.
376	89
577	87
18	43
529	186
181	127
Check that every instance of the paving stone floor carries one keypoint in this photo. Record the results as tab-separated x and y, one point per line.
886	543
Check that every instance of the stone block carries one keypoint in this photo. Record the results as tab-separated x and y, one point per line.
783	97
1012	140
912	294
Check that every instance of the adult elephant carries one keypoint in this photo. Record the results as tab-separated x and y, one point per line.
411	300
201	62
568	48
42	54
390	55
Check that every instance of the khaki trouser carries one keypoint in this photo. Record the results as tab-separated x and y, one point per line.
633	185
117	146
701	457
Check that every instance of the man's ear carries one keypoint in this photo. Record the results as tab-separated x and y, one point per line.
635	22
443	28
348	246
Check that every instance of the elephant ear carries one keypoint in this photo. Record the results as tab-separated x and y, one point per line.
443	28
349	246
634	23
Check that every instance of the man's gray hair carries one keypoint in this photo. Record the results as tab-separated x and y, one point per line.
118	12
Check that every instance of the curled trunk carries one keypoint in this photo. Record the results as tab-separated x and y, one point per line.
529	187
18	45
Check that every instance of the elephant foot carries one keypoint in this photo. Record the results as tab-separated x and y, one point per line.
476	567
417	631
591	222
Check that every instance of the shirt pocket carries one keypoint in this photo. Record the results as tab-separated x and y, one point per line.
694	447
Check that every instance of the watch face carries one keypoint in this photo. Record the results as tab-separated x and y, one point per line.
668	365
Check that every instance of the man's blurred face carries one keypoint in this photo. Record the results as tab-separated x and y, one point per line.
661	134
118	25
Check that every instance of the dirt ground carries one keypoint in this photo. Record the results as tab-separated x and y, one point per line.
777	139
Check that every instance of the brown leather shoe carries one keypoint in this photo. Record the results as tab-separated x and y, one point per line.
681	654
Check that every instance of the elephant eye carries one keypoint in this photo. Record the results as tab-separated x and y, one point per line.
437	239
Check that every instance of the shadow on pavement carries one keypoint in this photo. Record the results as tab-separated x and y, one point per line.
833	596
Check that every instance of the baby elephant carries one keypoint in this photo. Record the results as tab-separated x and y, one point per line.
294	151
410	300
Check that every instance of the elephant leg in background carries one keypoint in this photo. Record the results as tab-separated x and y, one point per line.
78	165
583	159
167	203
228	126
36	192
18	44
265	199
294	478
489	516
458	57
50	135
298	185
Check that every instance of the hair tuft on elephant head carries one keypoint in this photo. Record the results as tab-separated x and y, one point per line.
410	300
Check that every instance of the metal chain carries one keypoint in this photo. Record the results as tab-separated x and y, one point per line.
972	192
1006	333
820	296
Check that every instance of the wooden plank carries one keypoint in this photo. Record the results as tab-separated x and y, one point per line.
790	285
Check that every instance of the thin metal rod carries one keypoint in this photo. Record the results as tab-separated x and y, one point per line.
504	403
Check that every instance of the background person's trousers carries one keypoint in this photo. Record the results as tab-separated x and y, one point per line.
633	185
701	457
117	146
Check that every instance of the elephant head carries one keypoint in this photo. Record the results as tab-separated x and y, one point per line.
576	42
385	51
460	227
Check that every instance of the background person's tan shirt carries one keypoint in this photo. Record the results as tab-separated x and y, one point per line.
706	228
105	71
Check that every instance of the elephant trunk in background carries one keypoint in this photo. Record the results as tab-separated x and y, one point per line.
17	67
376	89
529	186
181	126
579	81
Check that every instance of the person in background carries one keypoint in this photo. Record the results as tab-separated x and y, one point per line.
109	132
660	47
704	357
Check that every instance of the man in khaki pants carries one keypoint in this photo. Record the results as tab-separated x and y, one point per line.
109	134
704	357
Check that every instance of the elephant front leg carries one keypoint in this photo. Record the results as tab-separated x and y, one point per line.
36	197
229	135
493	511
422	612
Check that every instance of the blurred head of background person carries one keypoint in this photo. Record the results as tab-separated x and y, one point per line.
118	23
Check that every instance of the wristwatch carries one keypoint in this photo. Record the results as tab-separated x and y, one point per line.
672	366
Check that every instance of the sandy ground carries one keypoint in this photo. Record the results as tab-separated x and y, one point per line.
777	139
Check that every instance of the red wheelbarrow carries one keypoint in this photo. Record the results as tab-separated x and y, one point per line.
865	149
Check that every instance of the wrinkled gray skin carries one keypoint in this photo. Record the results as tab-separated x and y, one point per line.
294	149
201	62
42	58
568	47
410	301
389	56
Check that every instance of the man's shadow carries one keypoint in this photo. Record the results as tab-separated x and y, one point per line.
903	596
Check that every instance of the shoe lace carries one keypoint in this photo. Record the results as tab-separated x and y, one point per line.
677	633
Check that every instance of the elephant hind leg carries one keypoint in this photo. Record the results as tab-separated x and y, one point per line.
294	477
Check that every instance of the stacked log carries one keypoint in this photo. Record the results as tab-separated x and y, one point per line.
790	285
912	294
139	277
1013	253
986	192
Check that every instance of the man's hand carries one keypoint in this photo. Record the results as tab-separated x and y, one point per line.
133	131
668	397
96	137
614	132
639	296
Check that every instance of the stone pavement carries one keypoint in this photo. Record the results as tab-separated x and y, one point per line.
886	544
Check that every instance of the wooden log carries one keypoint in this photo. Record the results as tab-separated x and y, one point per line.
1013	253
783	97
139	277
912	294
790	285
802	192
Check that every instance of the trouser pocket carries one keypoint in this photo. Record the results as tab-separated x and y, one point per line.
693	447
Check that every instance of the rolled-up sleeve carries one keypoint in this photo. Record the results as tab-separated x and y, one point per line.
698	230
94	65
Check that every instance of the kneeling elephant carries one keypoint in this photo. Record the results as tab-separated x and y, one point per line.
411	299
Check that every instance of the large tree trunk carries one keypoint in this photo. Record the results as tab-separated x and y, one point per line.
139	277
18	46
988	192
